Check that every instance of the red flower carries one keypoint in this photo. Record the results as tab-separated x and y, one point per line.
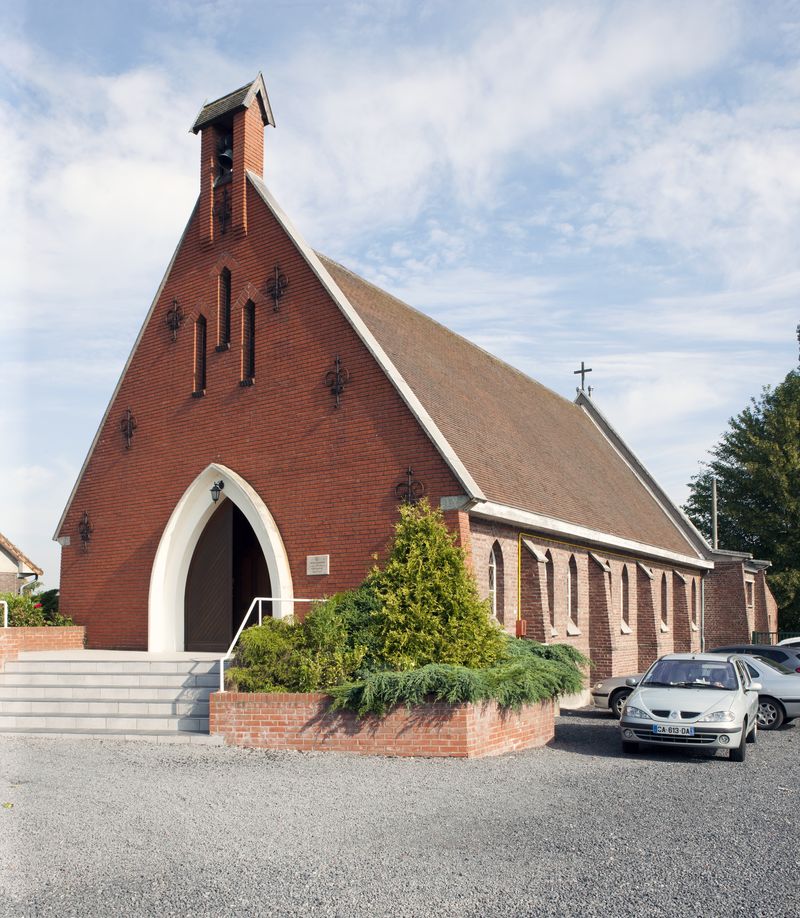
37	605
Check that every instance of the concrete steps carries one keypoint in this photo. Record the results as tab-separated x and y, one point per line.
109	693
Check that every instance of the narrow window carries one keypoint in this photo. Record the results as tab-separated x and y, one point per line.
549	573
626	598
224	304
572	586
664	600
199	358
695	603
493	582
749	586
248	344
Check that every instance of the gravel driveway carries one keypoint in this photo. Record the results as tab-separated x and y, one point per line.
105	828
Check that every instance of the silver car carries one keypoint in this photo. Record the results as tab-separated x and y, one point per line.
612	693
779	698
693	700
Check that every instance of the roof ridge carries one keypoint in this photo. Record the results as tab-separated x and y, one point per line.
448	330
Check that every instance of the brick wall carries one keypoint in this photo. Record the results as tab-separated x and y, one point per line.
326	474
305	722
730	618
9	582
615	647
13	641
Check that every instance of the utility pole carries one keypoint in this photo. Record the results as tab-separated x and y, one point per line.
714	540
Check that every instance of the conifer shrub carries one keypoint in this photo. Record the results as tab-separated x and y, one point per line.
429	609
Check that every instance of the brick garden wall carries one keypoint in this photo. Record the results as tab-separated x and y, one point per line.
305	722
14	641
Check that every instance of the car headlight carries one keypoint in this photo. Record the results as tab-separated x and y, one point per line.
725	717
631	711
598	685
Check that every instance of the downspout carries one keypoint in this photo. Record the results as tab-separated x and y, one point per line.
702	614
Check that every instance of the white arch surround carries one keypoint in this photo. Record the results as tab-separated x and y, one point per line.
178	541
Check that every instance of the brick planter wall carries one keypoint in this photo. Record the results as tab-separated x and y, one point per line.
305	722
14	641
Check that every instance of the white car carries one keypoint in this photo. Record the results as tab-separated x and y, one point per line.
693	700
789	642
779	698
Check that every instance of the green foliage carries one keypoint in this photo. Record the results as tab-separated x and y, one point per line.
35	610
416	630
528	673
429	606
757	466
264	657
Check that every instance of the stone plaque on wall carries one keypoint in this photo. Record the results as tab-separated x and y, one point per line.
318	564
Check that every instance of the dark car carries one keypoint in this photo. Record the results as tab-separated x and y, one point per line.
787	656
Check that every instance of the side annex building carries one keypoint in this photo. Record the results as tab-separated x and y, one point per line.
313	402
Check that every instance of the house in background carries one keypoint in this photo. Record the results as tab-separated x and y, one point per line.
16	570
276	408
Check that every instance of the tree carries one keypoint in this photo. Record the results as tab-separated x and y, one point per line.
428	605
757	467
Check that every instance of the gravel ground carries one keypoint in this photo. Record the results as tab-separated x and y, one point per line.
104	828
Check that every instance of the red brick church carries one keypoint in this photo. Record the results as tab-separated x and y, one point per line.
309	402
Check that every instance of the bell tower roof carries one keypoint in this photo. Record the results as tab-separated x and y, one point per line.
236	101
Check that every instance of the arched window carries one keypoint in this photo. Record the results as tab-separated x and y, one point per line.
550	579
493	582
248	344
664	600
626	597
496	596
199	389
572	590
224	306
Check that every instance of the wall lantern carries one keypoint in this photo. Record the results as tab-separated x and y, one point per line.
216	488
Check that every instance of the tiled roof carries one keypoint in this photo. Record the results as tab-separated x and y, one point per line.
233	101
18	556
525	446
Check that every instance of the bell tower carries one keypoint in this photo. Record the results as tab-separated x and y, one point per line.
232	141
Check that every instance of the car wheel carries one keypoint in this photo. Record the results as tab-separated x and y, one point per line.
770	713
738	754
629	747
617	702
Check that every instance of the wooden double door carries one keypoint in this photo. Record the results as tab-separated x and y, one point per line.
227	570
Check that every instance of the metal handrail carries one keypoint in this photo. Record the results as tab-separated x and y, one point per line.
258	600
4	604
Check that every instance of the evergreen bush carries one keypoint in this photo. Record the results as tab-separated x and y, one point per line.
429	609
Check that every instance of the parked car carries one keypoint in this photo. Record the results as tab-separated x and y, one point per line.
788	656
612	693
789	642
779	698
693	700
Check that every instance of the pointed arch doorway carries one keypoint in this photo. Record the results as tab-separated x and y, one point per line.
211	561
227	570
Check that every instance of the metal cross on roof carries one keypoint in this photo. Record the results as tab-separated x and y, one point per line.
583	371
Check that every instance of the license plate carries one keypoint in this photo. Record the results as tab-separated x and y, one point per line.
673	730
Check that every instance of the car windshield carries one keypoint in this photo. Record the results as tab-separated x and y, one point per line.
692	674
773	664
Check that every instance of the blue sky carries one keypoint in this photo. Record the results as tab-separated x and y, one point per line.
611	182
